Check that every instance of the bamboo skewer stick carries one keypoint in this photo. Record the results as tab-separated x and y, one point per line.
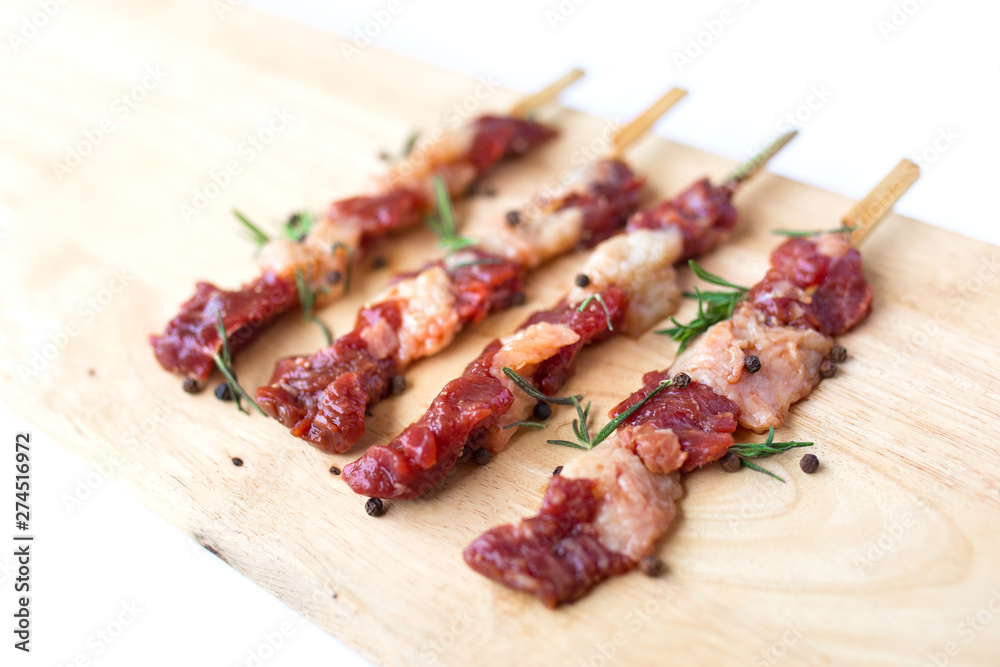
877	204
546	94
628	134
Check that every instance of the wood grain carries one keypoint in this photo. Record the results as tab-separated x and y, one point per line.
878	559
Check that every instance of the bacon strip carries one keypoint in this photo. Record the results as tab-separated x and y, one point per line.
322	398
402	200
814	289
634	276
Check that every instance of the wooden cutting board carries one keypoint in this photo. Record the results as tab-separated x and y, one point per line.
885	556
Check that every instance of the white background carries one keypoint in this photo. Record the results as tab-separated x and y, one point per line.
879	92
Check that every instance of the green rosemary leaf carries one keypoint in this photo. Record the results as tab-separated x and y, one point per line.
298	225
843	229
613	425
713	279
525	423
754	466
225	366
408	145
307	299
568	443
713	307
766	448
444	223
600	300
528	389
257	235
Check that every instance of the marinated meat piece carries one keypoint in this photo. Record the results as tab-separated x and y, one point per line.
356	224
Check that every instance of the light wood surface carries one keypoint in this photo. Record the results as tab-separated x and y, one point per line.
880	558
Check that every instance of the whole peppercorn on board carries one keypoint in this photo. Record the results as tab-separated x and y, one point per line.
878	558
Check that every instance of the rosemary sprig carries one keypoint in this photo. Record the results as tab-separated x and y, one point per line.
711	278
584	440
295	228
600	300
843	229
408	145
257	235
443	223
579	424
225	366
524	422
530	390
748	450
307	299
713	307
298	225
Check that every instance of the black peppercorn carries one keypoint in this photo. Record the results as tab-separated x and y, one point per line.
542	411
731	462
379	262
518	299
191	386
482	456
752	363
681	380
513	218
582	280
374	507
466	454
489	191
237	461
397	385
334	470
334	277
651	566
827	369
809	463
222	392
384	155
838	354
557	471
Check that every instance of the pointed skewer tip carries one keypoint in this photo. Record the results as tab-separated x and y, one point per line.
546	94
645	120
